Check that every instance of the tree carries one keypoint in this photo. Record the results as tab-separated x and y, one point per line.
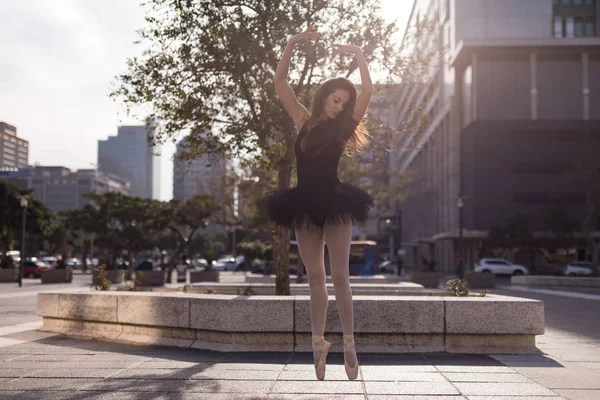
210	64
119	222
185	219
39	218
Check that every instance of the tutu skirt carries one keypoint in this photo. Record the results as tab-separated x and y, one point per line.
316	206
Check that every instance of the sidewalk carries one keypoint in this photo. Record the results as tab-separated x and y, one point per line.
37	365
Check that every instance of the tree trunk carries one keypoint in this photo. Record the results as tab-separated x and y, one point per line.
595	256
300	271
282	237
282	268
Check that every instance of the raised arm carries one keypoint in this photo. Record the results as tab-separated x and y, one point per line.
287	96
364	98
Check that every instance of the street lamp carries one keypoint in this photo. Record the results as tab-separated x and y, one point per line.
24	207
460	204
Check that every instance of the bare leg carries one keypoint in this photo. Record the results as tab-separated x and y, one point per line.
338	238
310	246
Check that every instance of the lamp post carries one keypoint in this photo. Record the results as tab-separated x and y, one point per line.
460	204
24	208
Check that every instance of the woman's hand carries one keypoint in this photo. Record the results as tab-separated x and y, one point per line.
345	48
306	37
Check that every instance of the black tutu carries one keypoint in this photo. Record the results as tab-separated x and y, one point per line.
308	206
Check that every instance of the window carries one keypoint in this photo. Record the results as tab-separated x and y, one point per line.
574	18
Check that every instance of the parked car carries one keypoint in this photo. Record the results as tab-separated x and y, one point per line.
50	261
228	263
33	269
579	268
499	266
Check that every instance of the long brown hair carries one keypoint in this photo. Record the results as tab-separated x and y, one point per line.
351	135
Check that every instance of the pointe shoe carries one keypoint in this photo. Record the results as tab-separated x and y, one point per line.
349	346
320	350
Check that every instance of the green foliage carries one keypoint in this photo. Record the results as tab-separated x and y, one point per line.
255	249
458	287
100	281
40	219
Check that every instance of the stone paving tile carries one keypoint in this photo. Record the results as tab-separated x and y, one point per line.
236	374
475	369
556	397
459	359
568	379
402	376
133	385
91	357
384	359
398	368
47	384
332	374
11	356
594	366
413	397
74	373
582	394
116	364
278	396
410	388
219	386
485	377
315	387
253	366
157	373
16	373
502	389
173	364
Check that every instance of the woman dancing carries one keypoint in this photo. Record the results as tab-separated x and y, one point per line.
321	208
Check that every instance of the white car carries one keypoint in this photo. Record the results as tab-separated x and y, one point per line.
499	266
579	268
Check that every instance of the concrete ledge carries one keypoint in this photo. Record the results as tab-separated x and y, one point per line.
372	279
57	276
492	324
555	281
303	289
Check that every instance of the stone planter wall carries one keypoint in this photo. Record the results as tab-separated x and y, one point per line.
151	278
57	276
113	275
413	324
204	276
9	275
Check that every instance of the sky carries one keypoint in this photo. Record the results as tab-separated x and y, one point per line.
58	66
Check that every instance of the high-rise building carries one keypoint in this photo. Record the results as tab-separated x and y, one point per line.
203	175
14	151
130	156
509	109
60	189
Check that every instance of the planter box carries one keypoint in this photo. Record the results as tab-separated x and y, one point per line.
114	276
204	276
57	276
151	278
479	280
427	279
8	275
410	324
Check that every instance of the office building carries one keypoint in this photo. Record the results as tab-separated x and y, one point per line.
129	155
509	111
14	151
58	188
